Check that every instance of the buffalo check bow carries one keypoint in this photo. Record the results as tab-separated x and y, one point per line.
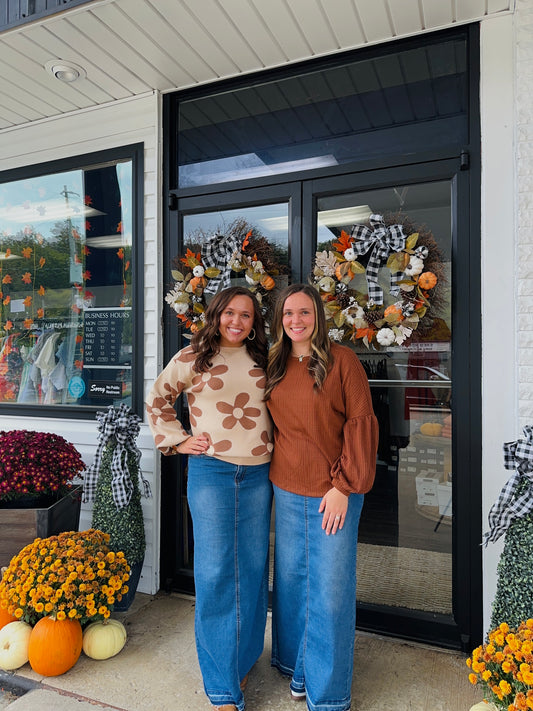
382	240
510	505
117	427
217	252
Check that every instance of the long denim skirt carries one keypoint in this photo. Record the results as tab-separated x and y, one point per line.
230	508
313	608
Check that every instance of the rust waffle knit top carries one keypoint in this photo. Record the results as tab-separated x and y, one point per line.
326	437
225	404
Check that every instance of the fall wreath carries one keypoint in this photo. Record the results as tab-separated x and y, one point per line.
347	280
200	274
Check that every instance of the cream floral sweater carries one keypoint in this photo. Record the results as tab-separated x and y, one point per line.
225	404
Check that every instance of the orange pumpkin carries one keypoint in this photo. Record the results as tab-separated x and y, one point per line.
5	618
395	312
267	282
427	280
55	645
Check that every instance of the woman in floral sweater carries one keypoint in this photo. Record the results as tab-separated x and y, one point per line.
229	493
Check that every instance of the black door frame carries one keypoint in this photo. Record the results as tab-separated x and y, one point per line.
463	628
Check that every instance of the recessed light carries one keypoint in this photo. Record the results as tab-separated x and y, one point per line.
65	71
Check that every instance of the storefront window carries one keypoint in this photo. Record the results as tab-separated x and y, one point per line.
67	287
363	109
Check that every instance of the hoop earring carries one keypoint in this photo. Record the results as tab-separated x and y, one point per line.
248	336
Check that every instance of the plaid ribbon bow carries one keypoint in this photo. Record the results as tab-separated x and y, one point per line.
121	424
383	240
217	252
517	455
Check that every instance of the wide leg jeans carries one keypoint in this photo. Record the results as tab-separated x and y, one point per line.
313	609
230	508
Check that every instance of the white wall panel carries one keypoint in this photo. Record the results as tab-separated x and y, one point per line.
499	339
122	123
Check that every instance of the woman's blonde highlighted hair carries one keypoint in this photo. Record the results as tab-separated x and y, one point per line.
280	350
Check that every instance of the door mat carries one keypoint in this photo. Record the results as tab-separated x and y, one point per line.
404	577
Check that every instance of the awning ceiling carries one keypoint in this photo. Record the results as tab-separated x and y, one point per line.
131	47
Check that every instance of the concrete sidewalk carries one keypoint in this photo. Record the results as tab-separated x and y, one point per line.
158	671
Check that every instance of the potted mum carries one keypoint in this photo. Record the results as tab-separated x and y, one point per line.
53	587
115	483
502	668
37	494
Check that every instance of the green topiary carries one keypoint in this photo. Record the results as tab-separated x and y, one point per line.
513	602
125	525
115	483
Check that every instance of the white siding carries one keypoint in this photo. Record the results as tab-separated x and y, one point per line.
524	231
507	241
122	123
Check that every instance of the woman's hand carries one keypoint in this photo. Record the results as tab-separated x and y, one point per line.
197	444
334	504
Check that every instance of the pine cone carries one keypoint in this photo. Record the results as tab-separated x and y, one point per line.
343	300
373	315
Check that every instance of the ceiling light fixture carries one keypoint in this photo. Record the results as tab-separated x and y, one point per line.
65	71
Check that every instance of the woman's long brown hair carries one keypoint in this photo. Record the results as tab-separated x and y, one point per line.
280	350
206	341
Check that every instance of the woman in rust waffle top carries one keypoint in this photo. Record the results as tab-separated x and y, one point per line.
324	461
228	490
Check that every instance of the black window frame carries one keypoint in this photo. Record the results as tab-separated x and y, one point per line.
135	153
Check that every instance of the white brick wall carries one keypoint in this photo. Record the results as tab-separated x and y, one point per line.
524	220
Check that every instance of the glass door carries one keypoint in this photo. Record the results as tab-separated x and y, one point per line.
257	224
398	318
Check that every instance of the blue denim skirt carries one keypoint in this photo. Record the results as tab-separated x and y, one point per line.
313	608
230	507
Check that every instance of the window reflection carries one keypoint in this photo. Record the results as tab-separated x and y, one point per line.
66	287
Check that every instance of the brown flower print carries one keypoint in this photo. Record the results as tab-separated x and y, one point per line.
160	410
238	413
209	378
171	449
216	447
264	448
194	411
260	374
186	355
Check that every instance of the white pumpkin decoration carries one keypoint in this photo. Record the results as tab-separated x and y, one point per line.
104	639
14	640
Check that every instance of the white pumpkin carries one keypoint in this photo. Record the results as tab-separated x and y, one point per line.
104	639
14	640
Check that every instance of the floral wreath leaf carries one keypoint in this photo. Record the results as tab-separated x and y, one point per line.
357	268
398	261
339	318
421	311
211	272
393	318
344	241
410	242
177	276
246	241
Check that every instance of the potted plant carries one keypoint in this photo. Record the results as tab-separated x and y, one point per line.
53	587
114	483
502	667
37	494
